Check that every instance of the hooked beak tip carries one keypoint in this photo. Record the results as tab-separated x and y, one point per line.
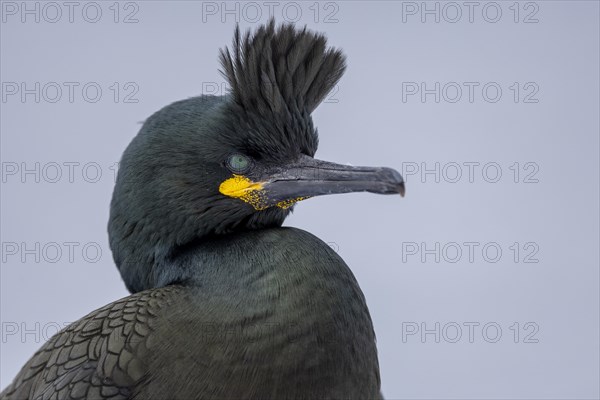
394	178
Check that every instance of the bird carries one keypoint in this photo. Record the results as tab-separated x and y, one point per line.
225	302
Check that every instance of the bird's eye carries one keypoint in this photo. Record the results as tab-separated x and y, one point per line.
238	164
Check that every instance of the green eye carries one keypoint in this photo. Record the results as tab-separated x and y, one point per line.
238	164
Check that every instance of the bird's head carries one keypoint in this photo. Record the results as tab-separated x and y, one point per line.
212	165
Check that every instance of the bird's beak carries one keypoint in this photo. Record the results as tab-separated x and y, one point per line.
308	177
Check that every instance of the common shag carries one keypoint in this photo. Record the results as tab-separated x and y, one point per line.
226	303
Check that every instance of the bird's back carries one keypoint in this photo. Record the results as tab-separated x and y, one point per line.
274	313
102	355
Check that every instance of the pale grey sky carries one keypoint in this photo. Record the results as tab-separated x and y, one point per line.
483	282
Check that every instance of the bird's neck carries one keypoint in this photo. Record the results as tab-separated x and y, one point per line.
154	252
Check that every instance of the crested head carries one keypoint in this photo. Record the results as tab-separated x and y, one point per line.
200	167
278	76
281	69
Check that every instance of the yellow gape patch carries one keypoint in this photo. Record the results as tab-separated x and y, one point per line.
253	193
288	203
244	189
